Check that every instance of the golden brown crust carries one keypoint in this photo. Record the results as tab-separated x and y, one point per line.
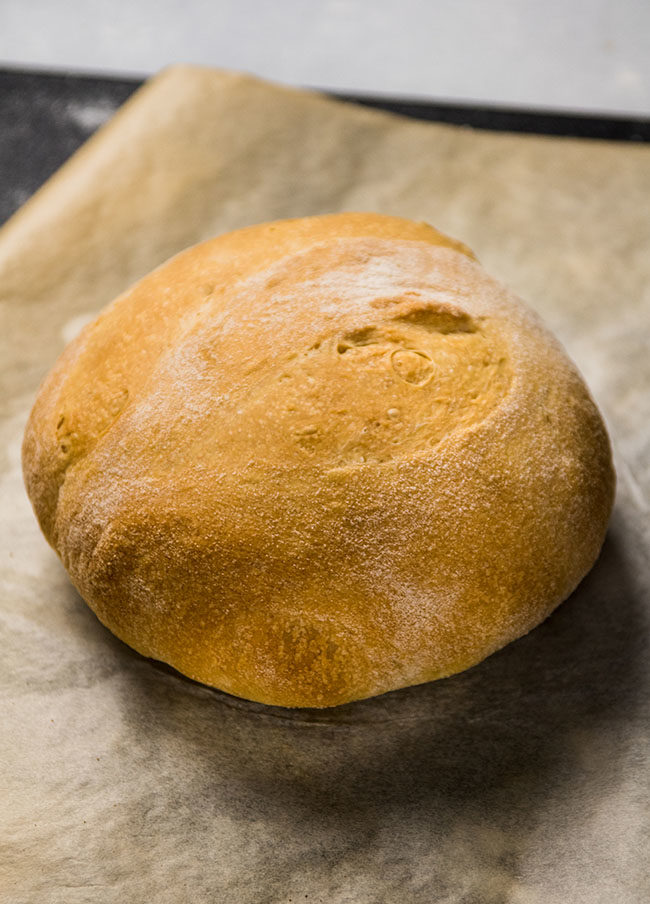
315	460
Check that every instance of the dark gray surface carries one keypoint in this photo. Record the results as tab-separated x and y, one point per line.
43	120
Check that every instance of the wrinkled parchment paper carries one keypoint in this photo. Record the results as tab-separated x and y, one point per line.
522	780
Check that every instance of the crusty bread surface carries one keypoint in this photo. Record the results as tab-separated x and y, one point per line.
316	460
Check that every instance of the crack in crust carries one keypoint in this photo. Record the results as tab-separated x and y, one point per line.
380	391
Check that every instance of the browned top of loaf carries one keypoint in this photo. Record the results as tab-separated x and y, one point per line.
318	459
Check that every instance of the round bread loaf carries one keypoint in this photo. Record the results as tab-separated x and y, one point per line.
319	459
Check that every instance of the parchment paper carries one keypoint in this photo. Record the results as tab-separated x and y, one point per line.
524	779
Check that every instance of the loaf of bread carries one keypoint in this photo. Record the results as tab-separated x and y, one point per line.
319	459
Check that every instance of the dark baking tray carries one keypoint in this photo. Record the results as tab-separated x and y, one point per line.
45	117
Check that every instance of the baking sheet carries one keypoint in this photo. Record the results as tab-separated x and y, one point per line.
524	779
